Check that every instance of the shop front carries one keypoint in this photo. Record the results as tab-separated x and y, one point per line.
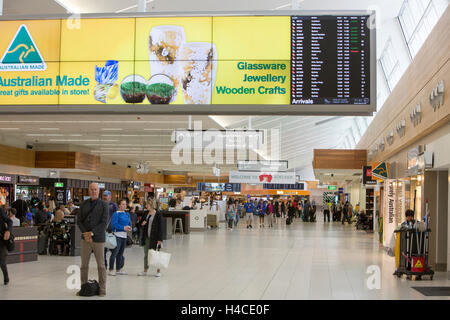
28	186
7	182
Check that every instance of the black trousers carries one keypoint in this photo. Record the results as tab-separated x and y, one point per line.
3	254
346	217
326	215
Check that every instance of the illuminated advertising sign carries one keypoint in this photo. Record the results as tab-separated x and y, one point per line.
188	61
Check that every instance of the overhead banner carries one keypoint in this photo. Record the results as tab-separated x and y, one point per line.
186	61
262	177
262	165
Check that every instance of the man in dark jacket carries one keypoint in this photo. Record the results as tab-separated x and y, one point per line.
21	207
92	221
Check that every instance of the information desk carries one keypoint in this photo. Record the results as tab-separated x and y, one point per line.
183	214
26	239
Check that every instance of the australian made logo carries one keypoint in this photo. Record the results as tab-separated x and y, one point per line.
22	54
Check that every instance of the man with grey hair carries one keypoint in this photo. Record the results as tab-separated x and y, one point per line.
92	220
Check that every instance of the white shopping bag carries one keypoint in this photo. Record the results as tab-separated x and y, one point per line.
159	259
110	241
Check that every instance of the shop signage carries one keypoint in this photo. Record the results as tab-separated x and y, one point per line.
59	184
160	190
7	178
367	176
266	165
101	185
394	207
28	180
341	190
262	177
187	61
413	158
332	188
425	160
380	170
60	196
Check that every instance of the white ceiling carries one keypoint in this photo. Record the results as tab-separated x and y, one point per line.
126	140
387	8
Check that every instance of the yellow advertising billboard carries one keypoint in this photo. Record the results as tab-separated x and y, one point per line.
178	60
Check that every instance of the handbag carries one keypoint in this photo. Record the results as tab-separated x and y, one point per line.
159	259
110	241
129	241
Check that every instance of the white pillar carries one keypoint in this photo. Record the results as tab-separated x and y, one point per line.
1	7
142	5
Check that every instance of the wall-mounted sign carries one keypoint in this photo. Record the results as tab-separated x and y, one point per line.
59	184
28	180
367	176
341	190
332	188
60	196
275	186
413	158
380	170
262	177
101	185
303	62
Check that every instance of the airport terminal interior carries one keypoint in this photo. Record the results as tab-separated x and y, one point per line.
225	150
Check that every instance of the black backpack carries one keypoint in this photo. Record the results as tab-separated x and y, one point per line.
90	288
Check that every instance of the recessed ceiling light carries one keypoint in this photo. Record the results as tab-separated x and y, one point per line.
9	129
49	129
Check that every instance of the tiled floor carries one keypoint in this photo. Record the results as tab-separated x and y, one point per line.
300	261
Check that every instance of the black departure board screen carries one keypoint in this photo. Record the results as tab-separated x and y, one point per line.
330	60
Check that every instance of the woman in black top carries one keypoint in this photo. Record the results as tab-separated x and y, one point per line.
152	238
5	232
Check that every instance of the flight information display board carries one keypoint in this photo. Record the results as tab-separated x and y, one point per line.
330	60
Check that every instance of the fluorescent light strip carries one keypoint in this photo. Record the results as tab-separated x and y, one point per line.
44	135
49	129
126	145
82	140
91	121
135	135
112	129
12	129
283	6
131	7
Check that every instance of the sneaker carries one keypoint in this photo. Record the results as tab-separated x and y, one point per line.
251	227
158	275
111	273
142	273
121	272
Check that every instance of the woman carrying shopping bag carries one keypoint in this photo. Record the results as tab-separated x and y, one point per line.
121	223
151	234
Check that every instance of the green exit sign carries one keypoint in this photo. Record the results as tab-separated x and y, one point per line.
59	184
332	187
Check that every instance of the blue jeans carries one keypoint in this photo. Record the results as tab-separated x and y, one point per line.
117	254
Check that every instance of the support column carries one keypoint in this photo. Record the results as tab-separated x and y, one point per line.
442	220
1	7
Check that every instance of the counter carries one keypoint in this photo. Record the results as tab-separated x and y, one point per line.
26	240
183	214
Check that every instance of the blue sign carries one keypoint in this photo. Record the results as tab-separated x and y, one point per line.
341	190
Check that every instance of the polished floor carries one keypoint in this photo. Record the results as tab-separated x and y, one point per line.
300	261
